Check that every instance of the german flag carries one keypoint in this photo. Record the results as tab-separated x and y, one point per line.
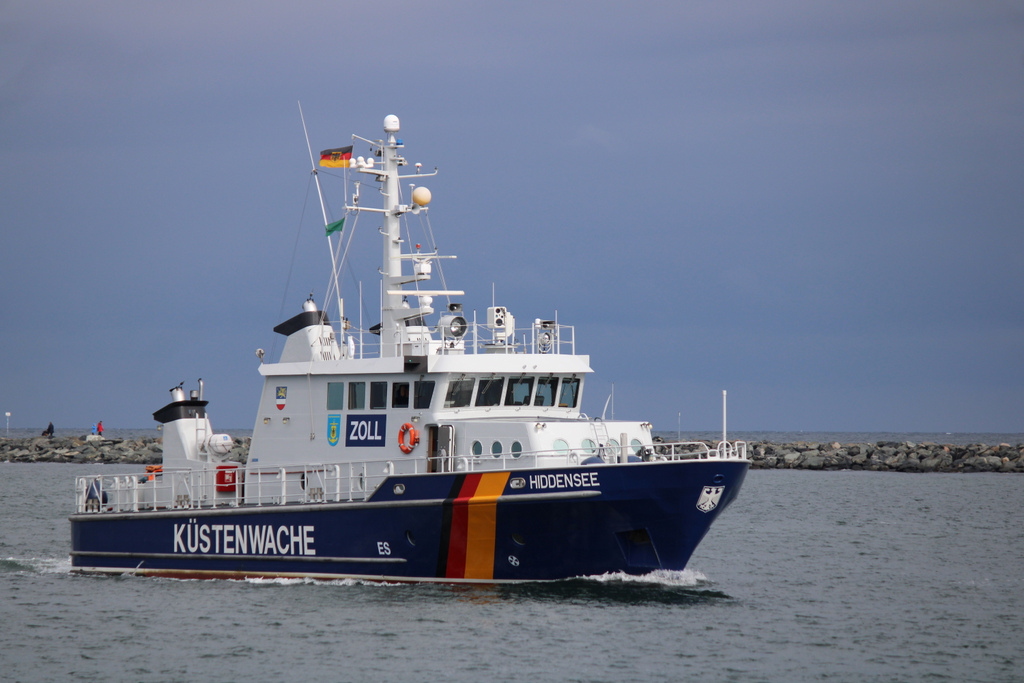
340	157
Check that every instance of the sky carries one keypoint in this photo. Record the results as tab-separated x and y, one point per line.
817	206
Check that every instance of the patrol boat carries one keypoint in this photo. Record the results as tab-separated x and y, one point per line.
429	447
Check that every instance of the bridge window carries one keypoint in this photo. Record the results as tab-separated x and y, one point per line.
378	395
356	395
400	395
570	392
519	390
422	393
546	388
335	396
460	391
489	393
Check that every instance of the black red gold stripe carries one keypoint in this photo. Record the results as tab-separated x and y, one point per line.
467	550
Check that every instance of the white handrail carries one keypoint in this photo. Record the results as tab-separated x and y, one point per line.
305	484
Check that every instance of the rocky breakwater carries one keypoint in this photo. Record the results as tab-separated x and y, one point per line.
95	450
885	456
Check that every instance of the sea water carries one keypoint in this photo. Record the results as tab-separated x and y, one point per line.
808	576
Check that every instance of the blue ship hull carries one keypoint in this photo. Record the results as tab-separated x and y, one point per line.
519	525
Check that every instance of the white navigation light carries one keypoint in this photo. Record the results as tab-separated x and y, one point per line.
452	326
421	196
391	124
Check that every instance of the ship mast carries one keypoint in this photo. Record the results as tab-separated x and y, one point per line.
402	329
392	324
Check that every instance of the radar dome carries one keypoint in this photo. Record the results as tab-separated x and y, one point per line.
421	196
391	124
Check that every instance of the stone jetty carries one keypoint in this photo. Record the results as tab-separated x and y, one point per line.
886	456
95	450
882	456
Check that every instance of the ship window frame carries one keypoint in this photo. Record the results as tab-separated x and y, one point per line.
423	394
378	395
636	446
335	396
589	446
514	382
568	382
539	397
561	446
398	399
489	391
496	449
517	449
357	395
478	448
456	395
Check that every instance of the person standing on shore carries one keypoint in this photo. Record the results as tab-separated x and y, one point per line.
99	427
48	431
94	428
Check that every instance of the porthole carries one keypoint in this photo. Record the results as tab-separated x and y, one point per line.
410	538
589	447
561	446
518	539
613	443
517	449
496	449
635	446
478	448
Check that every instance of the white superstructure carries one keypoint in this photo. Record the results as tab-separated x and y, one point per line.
339	394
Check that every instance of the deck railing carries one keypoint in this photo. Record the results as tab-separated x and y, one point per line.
544	337
344	482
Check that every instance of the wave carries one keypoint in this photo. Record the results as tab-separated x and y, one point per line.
686	578
36	565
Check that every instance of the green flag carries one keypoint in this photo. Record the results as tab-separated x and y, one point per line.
336	226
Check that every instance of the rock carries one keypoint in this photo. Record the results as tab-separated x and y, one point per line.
814	462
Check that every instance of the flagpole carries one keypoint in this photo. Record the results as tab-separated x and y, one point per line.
323	210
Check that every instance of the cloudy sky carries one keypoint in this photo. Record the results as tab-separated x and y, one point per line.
818	206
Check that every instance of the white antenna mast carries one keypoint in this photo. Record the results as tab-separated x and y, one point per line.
323	210
723	414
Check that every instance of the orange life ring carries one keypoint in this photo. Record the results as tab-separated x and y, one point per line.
414	438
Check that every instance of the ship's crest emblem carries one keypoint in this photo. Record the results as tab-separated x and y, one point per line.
709	498
282	397
333	429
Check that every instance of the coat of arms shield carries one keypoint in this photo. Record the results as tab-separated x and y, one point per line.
709	497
